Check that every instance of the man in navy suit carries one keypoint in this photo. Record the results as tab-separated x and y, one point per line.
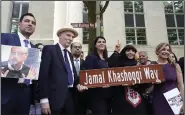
81	101
58	77
16	94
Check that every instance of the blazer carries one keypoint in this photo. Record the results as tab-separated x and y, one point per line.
53	78
8	85
81	65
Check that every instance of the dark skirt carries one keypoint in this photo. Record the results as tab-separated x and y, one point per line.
122	105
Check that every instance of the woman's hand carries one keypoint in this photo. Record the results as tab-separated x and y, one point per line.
81	88
106	86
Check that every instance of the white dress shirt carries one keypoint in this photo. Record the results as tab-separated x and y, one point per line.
45	100
78	61
22	38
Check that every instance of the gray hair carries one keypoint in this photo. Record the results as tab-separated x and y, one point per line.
145	53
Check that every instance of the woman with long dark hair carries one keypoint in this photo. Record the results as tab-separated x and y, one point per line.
126	99
99	98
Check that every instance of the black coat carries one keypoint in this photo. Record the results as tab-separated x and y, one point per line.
53	78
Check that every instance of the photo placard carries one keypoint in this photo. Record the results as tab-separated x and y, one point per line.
20	62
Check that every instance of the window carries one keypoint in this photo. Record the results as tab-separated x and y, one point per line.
174	13
19	8
85	30
134	23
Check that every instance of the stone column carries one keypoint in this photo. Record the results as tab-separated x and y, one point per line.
60	13
6	13
75	15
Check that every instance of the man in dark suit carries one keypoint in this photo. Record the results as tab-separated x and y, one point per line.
16	94
58	78
76	49
81	101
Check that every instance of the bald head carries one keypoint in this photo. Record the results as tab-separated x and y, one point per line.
143	53
17	56
143	57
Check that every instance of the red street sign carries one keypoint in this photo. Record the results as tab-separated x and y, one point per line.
83	25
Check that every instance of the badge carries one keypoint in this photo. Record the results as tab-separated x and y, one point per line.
133	97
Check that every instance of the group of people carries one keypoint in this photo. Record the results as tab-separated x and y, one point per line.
58	90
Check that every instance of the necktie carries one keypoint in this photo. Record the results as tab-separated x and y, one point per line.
26	81
77	66
69	72
26	43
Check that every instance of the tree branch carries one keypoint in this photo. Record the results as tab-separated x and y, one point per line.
103	9
85	3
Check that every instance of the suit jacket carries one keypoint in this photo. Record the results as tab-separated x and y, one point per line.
53	78
81	62
81	65
8	85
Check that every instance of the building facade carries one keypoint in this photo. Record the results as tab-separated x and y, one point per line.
145	24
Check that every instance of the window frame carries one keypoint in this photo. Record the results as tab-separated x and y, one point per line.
134	13
20	13
175	21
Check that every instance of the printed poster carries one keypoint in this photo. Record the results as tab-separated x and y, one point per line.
174	100
20	62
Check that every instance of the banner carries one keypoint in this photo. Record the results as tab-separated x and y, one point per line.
122	76
20	62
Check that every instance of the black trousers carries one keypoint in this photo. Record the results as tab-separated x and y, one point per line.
19	103
68	108
100	100
100	106
81	103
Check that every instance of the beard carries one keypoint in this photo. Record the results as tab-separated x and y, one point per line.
12	62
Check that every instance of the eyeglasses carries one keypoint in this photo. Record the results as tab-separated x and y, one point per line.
17	53
77	47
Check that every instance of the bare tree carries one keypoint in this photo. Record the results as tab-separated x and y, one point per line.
91	6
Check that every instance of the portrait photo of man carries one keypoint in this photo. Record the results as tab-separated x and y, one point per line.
15	66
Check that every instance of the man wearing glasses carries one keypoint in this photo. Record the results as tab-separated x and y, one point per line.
81	105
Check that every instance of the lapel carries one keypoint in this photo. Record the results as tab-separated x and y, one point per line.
17	41
81	61
32	46
59	52
73	66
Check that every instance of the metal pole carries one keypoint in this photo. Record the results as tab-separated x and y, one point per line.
98	27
